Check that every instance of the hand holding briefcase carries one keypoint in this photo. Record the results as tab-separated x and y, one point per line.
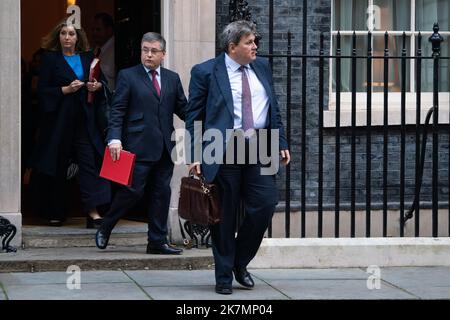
199	201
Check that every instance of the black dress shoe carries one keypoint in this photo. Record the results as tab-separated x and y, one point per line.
243	277
224	289
163	249
102	238
93	223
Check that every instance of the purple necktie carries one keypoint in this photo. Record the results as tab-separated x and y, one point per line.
155	82
247	113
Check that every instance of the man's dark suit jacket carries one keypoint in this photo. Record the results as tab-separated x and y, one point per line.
211	101
59	112
142	121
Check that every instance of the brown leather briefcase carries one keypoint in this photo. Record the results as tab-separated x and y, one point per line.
199	201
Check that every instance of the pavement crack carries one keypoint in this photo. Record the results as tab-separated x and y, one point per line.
4	291
138	285
396	286
276	289
401	289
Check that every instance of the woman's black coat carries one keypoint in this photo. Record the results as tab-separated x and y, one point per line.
59	112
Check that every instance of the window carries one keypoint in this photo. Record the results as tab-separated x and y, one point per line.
395	17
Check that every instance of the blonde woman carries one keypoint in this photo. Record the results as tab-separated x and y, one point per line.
67	129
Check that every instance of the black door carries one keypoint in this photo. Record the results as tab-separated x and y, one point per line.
133	19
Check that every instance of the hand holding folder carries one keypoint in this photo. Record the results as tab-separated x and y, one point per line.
94	74
120	171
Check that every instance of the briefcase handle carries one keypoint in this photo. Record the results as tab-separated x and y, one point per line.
206	190
196	176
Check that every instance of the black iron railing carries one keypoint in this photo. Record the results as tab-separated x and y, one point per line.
361	186
420	146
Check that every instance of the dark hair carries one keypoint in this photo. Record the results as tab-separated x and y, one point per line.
106	19
153	36
234	31
51	41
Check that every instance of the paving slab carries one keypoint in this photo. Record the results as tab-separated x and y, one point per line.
177	278
21	278
426	283
202	292
336	290
312	284
170	278
89	291
301	274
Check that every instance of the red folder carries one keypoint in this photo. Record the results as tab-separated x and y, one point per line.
120	171
94	74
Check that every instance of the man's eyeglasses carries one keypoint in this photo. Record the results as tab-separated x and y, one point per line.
153	50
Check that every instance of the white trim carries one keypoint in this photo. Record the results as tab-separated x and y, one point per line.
377	98
394	115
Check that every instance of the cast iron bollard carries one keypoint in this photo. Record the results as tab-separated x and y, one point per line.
7	232
200	236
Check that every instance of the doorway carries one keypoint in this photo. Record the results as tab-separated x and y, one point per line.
131	20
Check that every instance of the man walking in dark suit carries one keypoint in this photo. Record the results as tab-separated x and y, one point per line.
235	92
141	122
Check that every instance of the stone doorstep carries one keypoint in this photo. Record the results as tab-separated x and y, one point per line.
113	258
58	241
74	234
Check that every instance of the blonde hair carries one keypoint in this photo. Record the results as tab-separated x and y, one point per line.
51	41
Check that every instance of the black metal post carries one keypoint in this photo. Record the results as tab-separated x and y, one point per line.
304	68
269	229
353	142
337	136
271	33
403	135
436	40
321	93
385	131
288	133
369	133
418	116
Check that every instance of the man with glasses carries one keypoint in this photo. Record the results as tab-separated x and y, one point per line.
146	98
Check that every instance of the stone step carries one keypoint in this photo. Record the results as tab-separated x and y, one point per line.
75	234
112	258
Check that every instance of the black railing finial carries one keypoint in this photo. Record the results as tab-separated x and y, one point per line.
239	10
436	39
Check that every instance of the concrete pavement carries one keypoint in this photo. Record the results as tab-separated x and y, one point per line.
391	283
